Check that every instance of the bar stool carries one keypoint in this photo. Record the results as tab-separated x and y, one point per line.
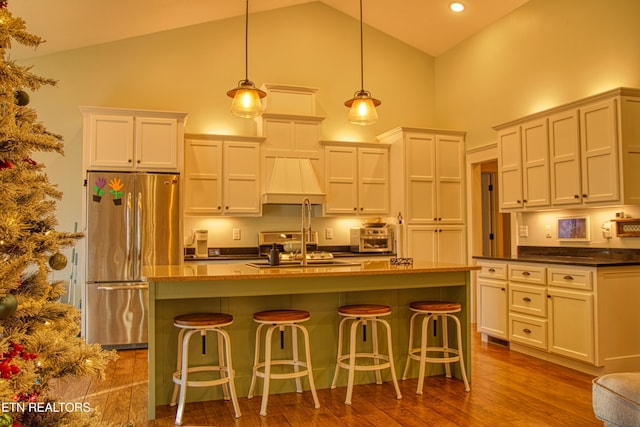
202	323
361	314
432	310
281	319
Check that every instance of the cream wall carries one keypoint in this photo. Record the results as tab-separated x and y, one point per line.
191	69
544	54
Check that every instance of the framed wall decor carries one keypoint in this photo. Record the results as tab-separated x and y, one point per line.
575	228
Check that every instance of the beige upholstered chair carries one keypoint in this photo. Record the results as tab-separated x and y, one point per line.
616	399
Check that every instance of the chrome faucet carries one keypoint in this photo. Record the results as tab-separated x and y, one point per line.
306	228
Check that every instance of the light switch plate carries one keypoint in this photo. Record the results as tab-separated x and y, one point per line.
524	231
236	234
328	233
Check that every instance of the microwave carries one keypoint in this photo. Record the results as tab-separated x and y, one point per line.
371	239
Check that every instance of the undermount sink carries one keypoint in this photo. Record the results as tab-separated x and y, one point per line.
310	263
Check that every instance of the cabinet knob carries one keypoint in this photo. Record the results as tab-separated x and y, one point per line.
439	219
226	207
526	299
138	161
568	277
576	196
526	273
524	201
526	330
361	209
492	270
129	161
355	209
549	296
502	289
518	201
584	195
219	207
439	230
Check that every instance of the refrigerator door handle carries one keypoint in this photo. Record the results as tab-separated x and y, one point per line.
129	232
138	271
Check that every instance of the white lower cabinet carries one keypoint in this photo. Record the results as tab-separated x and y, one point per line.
432	243
493	300
577	316
571	331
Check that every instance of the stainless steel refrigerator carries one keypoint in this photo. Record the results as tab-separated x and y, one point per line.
133	220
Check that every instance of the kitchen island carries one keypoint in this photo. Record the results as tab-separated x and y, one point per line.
241	290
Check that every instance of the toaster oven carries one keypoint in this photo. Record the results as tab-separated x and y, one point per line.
372	239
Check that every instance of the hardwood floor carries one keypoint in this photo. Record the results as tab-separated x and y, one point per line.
508	388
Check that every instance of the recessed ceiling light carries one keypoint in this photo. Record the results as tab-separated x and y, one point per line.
456	6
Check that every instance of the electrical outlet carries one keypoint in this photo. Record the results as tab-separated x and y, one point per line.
236	234
547	231
328	233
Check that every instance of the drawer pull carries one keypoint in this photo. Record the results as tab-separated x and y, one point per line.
526	273
492	270
502	289
526	299
567	277
526	330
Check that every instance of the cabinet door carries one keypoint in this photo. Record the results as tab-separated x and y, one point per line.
571	328
449	179
111	141
451	244
564	153
436	243
493	316
421	178
422	243
599	143
341	180
156	142
203	173
241	178
510	168
535	164
373	181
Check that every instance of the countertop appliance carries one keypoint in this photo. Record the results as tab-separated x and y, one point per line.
372	239
133	219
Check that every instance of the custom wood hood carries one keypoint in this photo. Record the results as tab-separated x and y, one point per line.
292	180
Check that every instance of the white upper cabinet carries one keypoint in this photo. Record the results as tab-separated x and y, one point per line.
523	165
582	154
122	139
356	179
222	175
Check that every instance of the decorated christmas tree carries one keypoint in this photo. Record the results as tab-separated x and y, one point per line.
39	336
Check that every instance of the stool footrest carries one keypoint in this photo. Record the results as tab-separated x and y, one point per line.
177	376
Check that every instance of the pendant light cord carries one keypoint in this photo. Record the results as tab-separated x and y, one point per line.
246	43
361	52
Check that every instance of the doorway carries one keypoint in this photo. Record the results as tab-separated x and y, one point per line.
496	230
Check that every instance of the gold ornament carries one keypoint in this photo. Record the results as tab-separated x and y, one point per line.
58	261
8	306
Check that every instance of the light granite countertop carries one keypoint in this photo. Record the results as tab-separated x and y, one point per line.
242	271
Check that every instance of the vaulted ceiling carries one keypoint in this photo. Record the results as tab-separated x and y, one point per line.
427	25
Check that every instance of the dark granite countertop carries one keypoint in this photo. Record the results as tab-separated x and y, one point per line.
589	257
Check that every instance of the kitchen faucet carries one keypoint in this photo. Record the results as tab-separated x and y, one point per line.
306	228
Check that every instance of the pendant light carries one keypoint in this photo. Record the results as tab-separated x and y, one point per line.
362	105
246	97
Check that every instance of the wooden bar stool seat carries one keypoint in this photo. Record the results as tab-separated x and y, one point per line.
432	310
281	319
352	361
189	324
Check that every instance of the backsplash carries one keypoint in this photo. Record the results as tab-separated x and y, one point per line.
274	218
541	228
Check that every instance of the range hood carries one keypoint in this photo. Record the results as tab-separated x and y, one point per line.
292	179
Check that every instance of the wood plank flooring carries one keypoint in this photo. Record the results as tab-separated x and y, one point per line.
508	389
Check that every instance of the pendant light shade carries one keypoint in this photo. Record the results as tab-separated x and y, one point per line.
246	100
362	105
246	97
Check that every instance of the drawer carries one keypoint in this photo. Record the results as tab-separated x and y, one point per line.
526	273
493	271
528	299
528	330
570	278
